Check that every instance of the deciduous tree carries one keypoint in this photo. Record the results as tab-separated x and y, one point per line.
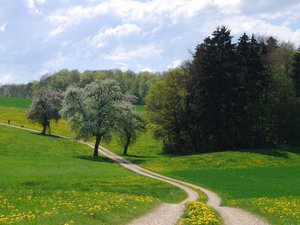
93	111
166	109
130	125
45	107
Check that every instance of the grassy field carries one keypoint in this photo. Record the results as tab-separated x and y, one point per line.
265	181
255	189
47	180
14	109
23	103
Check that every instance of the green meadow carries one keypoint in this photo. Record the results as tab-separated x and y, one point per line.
48	180
23	103
264	181
14	109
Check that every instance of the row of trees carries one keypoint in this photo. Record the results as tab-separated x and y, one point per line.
230	96
93	111
132	83
17	90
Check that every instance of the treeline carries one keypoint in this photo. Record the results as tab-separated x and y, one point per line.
229	96
132	83
16	90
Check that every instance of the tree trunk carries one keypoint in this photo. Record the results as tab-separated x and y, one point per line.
98	139
126	146
44	130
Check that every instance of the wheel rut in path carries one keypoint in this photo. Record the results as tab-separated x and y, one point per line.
168	214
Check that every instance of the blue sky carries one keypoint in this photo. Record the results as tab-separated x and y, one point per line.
44	36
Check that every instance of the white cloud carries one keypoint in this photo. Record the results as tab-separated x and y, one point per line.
123	66
31	4
2	27
6	79
175	64
141	68
228	7
185	9
240	24
267	6
143	52
54	63
22	51
56	31
101	44
40	74
176	39
158	10
74	15
165	12
135	11
134	32
118	31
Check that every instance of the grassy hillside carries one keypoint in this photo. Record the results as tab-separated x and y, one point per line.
272	192
265	181
47	180
23	103
14	109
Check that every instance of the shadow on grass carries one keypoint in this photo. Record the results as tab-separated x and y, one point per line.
276	151
31	183
137	159
107	160
291	148
94	158
47	135
138	156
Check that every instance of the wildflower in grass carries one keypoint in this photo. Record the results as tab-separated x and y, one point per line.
199	213
42	205
283	209
47	214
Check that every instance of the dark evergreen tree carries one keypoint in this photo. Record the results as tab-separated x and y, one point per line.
255	81
227	85
234	98
296	72
245	90
212	86
271	44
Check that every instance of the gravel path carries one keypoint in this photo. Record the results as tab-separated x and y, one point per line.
168	214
